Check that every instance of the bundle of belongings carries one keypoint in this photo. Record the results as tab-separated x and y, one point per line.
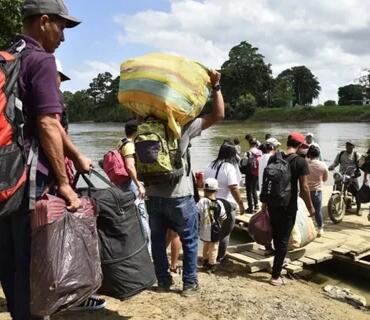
167	87
65	261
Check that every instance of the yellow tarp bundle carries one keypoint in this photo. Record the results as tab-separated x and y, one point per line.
168	87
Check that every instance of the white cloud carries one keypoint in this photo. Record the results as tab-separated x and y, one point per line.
319	34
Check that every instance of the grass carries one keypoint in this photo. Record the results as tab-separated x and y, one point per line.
319	114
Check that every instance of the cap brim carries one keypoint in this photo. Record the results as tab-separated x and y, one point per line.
350	143
63	77
71	22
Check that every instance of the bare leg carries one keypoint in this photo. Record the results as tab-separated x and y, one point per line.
174	239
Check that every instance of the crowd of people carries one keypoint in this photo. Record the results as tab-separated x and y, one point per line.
169	212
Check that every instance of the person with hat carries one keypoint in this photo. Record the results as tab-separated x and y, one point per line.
282	217
44	22
348	161
270	146
310	142
318	175
211	215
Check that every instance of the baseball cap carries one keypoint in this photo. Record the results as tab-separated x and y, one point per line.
56	7
211	184
274	142
63	77
296	136
350	142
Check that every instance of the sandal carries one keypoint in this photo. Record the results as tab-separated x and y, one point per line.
278	282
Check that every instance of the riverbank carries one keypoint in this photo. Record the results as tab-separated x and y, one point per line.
314	114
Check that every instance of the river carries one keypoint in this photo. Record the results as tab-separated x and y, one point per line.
94	139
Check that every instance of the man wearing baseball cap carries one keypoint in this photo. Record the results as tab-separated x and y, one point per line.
348	161
43	25
283	216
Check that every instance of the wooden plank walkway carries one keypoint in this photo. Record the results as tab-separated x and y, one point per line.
348	241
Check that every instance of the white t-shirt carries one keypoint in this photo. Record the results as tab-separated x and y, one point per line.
263	161
228	175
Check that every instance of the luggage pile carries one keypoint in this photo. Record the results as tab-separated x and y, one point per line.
167	87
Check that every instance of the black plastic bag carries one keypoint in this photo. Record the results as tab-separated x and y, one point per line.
65	262
364	194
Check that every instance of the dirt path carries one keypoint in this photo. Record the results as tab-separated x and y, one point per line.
229	294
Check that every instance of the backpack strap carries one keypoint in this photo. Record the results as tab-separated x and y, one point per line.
291	157
32	165
218	170
340	156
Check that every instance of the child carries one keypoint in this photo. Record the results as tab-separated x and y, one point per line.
212	214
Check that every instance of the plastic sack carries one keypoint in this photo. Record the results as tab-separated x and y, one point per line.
364	194
165	86
65	262
259	228
304	230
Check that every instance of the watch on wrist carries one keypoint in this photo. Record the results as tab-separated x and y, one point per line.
216	88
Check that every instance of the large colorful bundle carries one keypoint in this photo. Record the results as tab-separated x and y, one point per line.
165	86
304	230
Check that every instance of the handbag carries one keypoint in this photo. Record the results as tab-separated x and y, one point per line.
260	228
364	193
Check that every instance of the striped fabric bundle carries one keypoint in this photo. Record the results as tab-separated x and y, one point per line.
167	87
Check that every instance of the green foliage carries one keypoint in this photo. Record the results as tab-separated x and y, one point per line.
246	71
351	94
320	114
244	107
305	85
10	21
330	103
283	93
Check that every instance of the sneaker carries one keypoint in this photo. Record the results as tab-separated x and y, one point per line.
165	285
190	289
278	282
205	263
211	268
249	211
320	232
256	208
91	304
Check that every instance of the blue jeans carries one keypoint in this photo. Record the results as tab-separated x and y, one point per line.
15	255
316	197
180	215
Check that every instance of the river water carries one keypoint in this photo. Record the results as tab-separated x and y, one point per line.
94	139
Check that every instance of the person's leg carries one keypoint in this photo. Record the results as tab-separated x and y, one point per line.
254	192
226	229
7	263
282	222
248	191
212	253
316	197
205	251
184	220
158	227
175	249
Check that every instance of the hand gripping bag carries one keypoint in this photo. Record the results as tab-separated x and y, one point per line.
259	228
304	230
168	87
65	262
126	264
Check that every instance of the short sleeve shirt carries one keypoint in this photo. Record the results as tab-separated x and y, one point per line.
185	186
128	149
38	90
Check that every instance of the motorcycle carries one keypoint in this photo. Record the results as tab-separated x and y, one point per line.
342	198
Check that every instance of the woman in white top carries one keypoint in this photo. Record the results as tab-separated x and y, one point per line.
226	171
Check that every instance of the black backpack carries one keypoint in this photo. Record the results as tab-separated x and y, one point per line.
276	184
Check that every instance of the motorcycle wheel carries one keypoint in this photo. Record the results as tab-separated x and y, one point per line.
336	211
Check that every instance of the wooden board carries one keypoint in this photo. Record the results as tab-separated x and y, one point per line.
320	257
341	250
291	268
307	261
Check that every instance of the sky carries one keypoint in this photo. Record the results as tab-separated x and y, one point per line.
329	37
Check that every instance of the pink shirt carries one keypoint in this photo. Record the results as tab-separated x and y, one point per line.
318	174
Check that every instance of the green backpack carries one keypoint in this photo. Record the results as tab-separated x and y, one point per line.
158	154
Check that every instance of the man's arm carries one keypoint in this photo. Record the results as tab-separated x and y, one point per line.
131	170
305	194
218	106
234	189
335	163
52	144
325	175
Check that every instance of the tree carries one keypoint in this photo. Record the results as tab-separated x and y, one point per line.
305	84
244	107
351	94
330	103
10	21
100	88
246	71
283	93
